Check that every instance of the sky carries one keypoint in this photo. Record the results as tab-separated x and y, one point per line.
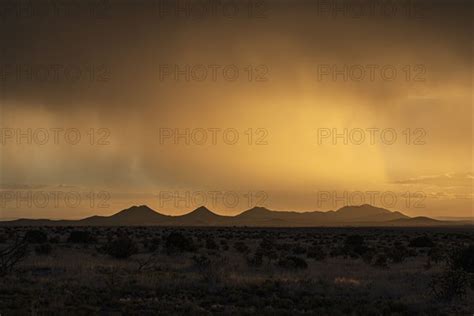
291	105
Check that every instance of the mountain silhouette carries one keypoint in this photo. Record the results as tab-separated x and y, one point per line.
345	215
135	215
201	216
135	211
354	215
260	216
366	213
418	221
355	211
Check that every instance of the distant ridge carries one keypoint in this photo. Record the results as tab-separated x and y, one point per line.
420	221
135	215
354	215
201	216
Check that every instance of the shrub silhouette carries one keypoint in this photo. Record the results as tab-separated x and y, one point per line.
121	248
267	244
292	263
211	244
36	236
210	269
421	242
153	244
463	259
397	254
316	253
298	249
80	237
11	255
43	249
435	254
454	280
450	284
380	261
241	247
256	260
368	256
355	244
354	241
267	249
224	244
177	242
201	262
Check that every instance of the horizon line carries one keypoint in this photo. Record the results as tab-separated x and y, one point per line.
230	216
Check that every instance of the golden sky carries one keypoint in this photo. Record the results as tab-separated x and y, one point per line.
282	76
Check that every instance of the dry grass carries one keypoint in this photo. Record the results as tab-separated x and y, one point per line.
81	279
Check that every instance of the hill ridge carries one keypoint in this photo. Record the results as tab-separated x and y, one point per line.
143	215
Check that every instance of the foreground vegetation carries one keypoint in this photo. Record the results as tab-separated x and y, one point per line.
152	270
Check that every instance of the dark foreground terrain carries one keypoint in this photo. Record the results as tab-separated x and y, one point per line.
163	271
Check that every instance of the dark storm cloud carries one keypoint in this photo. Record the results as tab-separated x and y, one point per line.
95	63
75	52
